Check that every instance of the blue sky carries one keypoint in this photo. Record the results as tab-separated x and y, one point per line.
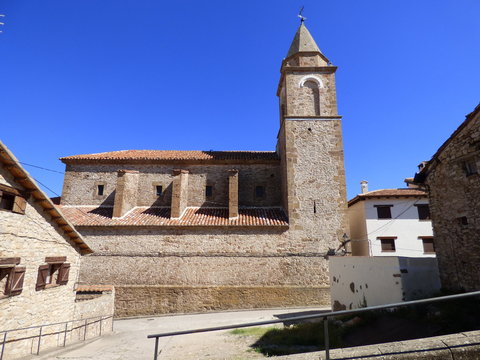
90	76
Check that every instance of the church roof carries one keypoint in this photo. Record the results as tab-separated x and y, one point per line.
160	216
303	42
172	155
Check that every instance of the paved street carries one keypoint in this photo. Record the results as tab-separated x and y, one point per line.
129	340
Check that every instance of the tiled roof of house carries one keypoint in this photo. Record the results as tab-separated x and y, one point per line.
387	193
160	216
172	155
23	178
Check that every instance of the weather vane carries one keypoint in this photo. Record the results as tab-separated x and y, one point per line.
302	18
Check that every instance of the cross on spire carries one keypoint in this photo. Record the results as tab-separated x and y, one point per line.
302	18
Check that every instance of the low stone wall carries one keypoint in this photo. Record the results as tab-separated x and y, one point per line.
88	306
153	300
461	346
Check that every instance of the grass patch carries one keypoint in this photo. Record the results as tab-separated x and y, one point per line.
253	331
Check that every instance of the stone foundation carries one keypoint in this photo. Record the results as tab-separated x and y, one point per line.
132	300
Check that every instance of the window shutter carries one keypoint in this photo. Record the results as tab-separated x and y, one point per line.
16	286
19	205
8	285
43	271
63	274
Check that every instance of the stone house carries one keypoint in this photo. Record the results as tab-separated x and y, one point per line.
391	222
452	180
40	253
183	231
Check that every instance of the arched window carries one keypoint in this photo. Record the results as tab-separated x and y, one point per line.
312	95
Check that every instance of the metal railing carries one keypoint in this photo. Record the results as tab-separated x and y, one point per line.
324	316
85	324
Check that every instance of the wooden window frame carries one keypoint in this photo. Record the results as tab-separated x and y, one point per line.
387	238
423	238
378	207
19	199
54	273
423	206
14	275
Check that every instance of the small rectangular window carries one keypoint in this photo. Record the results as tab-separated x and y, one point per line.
54	273
11	277
208	191
7	201
428	245
12	199
100	190
462	220
259	191
388	244
159	190
470	167
423	211
384	211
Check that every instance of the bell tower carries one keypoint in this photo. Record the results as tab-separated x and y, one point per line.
310	144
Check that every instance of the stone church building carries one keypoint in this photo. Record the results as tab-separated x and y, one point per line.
185	231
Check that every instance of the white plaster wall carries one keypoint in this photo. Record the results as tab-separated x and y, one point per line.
404	224
359	281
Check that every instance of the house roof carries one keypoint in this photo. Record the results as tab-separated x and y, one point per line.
160	216
173	155
389	193
421	176
23	178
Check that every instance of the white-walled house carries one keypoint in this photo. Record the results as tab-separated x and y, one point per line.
391	222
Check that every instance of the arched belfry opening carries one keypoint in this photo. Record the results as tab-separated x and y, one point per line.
312	97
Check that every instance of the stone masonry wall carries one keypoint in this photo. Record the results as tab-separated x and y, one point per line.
453	195
32	237
204	263
80	184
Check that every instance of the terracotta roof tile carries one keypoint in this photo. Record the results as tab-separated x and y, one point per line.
173	155
160	216
385	193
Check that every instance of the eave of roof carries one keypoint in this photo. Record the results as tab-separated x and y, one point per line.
389	193
23	178
176	156
431	163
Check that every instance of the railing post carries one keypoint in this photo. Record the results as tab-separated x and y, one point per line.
155	356
65	334
101	318
39	340
3	344
326	338
85	332
112	322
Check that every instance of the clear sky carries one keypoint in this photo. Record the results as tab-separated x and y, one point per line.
86	76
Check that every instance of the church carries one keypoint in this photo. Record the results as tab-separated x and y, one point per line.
189	231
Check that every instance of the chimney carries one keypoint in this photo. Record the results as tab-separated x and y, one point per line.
364	186
125	192
179	193
232	194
